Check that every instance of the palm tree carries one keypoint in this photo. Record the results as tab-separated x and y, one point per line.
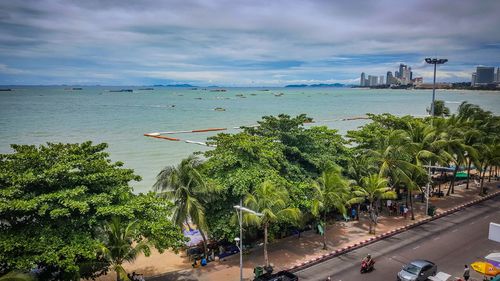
117	247
372	189
331	191
272	202
184	185
453	146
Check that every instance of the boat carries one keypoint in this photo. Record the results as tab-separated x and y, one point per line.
122	91
219	109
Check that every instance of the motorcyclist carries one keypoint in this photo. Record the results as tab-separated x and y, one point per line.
368	261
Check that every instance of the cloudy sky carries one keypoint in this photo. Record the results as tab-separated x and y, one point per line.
241	43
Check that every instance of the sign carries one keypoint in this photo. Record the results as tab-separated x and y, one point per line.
494	233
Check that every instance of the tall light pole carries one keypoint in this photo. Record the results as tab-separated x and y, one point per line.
242	209
435	62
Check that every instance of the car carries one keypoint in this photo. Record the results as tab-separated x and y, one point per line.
417	270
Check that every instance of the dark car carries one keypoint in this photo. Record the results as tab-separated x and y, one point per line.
280	276
417	270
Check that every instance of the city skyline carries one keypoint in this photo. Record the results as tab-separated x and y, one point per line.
239	43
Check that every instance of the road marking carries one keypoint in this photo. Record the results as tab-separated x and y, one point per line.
454	230
487	216
416	247
437	238
472	223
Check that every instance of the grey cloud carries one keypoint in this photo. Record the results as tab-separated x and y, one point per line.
211	35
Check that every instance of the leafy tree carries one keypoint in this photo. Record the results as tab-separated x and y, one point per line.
55	197
184	185
273	203
331	191
118	246
372	189
308	151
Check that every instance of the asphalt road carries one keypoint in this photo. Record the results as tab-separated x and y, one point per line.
450	242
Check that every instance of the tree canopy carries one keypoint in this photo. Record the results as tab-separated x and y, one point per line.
54	200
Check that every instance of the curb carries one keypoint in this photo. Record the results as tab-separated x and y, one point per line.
390	233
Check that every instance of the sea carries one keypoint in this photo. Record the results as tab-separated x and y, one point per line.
40	114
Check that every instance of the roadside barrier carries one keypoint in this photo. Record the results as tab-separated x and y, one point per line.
390	233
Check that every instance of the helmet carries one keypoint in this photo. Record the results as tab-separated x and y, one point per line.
368	256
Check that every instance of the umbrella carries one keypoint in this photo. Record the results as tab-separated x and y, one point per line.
485	268
494	259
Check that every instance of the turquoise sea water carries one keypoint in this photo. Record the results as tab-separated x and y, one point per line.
35	115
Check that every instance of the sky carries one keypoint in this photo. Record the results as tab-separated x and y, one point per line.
241	43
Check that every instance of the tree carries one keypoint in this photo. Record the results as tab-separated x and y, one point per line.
273	203
54	198
440	110
184	185
117	247
372	189
330	191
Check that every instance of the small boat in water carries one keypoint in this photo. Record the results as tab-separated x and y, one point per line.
219	109
122	91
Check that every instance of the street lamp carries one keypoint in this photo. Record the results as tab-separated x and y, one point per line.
434	61
240	239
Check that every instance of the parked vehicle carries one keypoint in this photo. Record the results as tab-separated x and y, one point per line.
417	270
280	276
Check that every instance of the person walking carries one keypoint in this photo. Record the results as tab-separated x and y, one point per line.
405	211
466	273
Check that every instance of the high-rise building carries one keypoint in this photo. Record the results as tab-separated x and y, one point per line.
362	80
381	80
402	69
485	75
473	79
389	78
396	74
372	80
498	74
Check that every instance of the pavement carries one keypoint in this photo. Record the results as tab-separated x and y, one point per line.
292	251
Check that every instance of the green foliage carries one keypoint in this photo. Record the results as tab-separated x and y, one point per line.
185	187
272	202
55	197
117	247
16	276
440	109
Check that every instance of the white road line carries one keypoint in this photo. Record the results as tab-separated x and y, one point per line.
454	230
485	217
416	247
472	223
437	238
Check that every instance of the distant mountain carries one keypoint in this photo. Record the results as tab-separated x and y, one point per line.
327	85
296	86
315	85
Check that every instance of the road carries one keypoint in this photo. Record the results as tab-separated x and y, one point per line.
452	241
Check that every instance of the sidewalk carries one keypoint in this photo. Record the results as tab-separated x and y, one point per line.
290	251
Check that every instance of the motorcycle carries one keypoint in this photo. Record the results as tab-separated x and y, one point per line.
367	267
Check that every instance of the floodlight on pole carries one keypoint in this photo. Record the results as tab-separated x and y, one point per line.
434	61
242	209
